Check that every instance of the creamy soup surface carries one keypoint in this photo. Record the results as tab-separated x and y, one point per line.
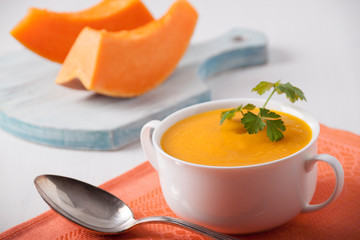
200	139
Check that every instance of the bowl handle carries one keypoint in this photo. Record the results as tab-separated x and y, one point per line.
147	144
339	174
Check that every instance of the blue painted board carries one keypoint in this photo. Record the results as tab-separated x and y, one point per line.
34	108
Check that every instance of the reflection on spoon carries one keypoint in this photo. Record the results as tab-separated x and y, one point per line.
98	210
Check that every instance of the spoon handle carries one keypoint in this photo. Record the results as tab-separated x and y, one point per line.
188	225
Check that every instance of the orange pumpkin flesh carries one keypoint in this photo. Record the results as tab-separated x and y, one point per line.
51	34
130	63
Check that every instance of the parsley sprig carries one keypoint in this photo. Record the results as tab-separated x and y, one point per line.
253	123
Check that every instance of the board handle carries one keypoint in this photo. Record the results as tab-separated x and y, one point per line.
237	48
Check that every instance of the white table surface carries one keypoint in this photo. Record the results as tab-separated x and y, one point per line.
315	45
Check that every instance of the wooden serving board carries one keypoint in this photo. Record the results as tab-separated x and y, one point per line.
34	108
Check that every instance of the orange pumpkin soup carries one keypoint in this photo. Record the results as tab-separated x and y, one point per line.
200	139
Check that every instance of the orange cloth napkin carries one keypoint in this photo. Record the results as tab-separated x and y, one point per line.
140	189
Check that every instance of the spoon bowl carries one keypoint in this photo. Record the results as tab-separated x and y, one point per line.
98	210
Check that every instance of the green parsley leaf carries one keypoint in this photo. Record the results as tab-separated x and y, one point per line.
265	118
274	129
268	114
291	92
274	125
229	114
249	106
252	123
263	87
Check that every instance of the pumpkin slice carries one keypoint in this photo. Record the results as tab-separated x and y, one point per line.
51	34
130	63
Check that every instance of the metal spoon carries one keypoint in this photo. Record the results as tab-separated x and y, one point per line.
98	210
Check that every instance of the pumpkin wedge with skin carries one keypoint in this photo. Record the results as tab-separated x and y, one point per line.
130	63
51	34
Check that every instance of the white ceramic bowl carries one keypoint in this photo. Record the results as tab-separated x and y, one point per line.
244	199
